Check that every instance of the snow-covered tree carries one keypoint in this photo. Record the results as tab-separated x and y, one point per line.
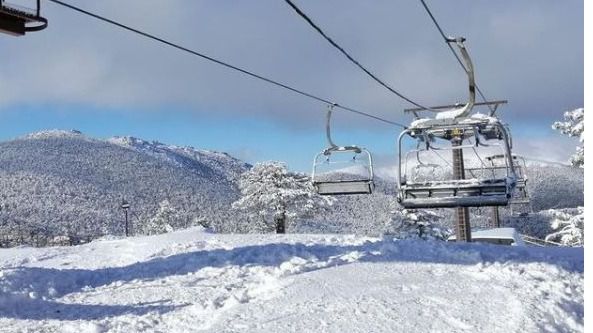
271	195
574	125
568	228
417	224
162	221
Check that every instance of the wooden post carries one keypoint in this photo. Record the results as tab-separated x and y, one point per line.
463	226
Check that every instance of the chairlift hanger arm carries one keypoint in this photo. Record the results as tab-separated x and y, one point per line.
331	145
465	108
469	71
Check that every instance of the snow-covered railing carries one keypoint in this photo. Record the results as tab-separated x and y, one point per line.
539	242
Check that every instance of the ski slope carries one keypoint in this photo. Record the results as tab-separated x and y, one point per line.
195	281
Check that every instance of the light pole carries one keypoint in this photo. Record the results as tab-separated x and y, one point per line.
125	206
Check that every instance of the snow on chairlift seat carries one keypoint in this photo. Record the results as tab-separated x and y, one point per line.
344	187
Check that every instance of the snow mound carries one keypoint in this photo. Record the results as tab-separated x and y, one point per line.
197	281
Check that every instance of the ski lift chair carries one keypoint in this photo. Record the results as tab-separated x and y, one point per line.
17	20
341	181
454	124
492	186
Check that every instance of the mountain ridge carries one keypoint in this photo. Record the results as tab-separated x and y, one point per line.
59	182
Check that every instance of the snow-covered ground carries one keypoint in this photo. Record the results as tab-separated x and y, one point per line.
192	280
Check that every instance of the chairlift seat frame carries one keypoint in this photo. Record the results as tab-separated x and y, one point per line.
477	192
16	20
363	185
454	124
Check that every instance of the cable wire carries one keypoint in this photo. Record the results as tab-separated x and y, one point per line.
447	39
347	55
222	63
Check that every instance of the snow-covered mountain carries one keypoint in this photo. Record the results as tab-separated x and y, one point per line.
186	157
65	183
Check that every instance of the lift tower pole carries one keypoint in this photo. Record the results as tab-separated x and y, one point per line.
495	217
463	227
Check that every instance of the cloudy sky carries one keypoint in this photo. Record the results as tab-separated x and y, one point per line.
82	74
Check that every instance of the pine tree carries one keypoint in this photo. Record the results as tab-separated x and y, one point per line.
271	195
574	125
568	228
162	221
417	224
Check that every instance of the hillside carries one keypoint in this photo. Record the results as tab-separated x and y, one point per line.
63	183
58	183
194	281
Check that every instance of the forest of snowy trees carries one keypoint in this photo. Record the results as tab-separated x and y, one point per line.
64	185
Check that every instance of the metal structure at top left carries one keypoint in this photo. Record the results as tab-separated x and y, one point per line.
16	20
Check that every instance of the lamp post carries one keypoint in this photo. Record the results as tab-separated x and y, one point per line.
125	206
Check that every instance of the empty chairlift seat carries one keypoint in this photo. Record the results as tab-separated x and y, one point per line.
342	170
353	175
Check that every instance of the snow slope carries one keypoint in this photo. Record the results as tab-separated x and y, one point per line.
195	281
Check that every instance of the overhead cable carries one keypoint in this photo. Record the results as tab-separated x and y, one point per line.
222	63
447	41
347	55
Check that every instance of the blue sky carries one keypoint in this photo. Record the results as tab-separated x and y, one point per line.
81	74
250	138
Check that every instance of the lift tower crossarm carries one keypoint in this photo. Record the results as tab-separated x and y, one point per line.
436	109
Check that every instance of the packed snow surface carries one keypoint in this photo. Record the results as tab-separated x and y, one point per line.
196	281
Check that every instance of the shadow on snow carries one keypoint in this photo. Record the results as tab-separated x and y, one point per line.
21	280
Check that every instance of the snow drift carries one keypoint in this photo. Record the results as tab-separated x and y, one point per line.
194	281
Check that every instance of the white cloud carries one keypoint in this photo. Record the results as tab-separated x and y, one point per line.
529	52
